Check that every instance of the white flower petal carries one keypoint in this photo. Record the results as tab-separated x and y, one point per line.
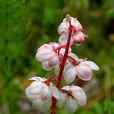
53	61
76	23
44	56
55	91
54	44
45	94
38	103
66	87
84	72
70	105
79	95
37	79
63	27
62	98
93	65
70	75
42	105
46	66
35	87
63	39
73	56
29	96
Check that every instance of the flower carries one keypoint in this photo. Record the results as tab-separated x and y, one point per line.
40	93
47	55
77	37
64	26
74	95
83	70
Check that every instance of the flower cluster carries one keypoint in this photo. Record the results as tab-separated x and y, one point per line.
59	56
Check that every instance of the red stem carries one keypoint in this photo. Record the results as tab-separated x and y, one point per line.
50	80
62	46
74	61
61	69
69	93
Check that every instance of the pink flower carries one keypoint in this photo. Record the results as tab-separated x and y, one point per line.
70	102
47	55
40	94
83	70
78	37
64	26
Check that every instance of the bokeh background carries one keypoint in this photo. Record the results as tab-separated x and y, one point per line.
27	24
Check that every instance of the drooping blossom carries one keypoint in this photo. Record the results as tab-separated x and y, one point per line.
47	55
74	95
77	37
64	26
40	93
83	70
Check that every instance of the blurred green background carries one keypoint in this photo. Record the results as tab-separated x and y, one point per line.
27	24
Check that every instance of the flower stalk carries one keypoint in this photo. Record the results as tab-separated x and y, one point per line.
61	69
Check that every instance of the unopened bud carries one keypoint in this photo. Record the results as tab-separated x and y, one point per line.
68	17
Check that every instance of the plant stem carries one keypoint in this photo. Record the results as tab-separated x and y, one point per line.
74	62
61	69
62	46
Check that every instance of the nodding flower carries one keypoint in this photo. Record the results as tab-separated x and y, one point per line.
77	36
70	96
64	26
83	70
40	93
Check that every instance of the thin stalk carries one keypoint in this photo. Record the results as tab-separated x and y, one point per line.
61	69
62	46
74	62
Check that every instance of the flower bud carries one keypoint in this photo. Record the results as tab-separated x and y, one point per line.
78	38
83	70
40	93
70	102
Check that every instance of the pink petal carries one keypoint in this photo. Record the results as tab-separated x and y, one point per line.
45	94
53	61
93	65
63	39
76	23
61	100
79	95
63	27
54	44
70	75
46	66
44	53
84	72
55	91
70	105
79	37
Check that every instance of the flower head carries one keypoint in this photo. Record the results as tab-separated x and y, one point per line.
47	55
78	37
64	26
83	70
71	97
40	93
